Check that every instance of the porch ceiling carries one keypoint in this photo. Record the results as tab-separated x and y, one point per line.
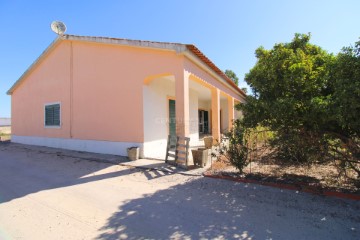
204	93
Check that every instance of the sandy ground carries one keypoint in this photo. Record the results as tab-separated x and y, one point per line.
324	175
51	195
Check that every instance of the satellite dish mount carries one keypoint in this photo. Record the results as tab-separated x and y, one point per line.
58	27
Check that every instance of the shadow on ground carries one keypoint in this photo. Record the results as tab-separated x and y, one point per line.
197	208
285	178
40	168
205	208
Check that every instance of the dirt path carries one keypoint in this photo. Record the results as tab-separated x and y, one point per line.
45	196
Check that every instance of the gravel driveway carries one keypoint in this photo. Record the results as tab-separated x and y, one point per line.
46	195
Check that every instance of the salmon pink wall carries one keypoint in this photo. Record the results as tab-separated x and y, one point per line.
108	89
107	82
47	83
100	88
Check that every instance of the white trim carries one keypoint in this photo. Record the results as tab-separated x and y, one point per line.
49	104
105	147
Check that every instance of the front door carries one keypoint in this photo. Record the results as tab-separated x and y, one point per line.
172	118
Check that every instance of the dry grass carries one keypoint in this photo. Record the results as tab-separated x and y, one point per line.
320	175
5	133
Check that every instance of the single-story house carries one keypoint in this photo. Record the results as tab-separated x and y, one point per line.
105	95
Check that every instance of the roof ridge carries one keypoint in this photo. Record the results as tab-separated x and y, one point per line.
126	39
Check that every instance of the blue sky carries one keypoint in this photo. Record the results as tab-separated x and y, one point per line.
227	31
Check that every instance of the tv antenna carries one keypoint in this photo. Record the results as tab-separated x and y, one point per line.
58	27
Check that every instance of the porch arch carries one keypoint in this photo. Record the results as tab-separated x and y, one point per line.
150	78
158	90
198	80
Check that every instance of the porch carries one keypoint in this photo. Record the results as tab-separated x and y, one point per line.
184	105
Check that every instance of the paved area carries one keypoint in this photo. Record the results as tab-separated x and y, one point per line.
56	194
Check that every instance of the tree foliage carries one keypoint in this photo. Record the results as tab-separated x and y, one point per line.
232	76
346	86
307	97
346	108
289	83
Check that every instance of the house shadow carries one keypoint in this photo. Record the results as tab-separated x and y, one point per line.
204	208
30	169
159	169
154	171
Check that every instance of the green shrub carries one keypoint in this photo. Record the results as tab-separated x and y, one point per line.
234	146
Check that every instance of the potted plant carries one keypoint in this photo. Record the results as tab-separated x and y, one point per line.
133	153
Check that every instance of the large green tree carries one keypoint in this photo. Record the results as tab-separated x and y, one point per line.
345	81
309	99
291	95
346	86
290	86
232	75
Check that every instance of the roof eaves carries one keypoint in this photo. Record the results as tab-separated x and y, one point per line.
178	47
208	62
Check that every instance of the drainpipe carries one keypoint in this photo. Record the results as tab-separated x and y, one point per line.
71	87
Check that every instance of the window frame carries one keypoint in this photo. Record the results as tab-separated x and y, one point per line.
52	126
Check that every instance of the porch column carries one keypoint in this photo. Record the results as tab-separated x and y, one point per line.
215	109
182	103
231	111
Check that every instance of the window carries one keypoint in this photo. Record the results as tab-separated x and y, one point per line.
52	115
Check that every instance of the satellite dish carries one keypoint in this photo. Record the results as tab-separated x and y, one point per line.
58	27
